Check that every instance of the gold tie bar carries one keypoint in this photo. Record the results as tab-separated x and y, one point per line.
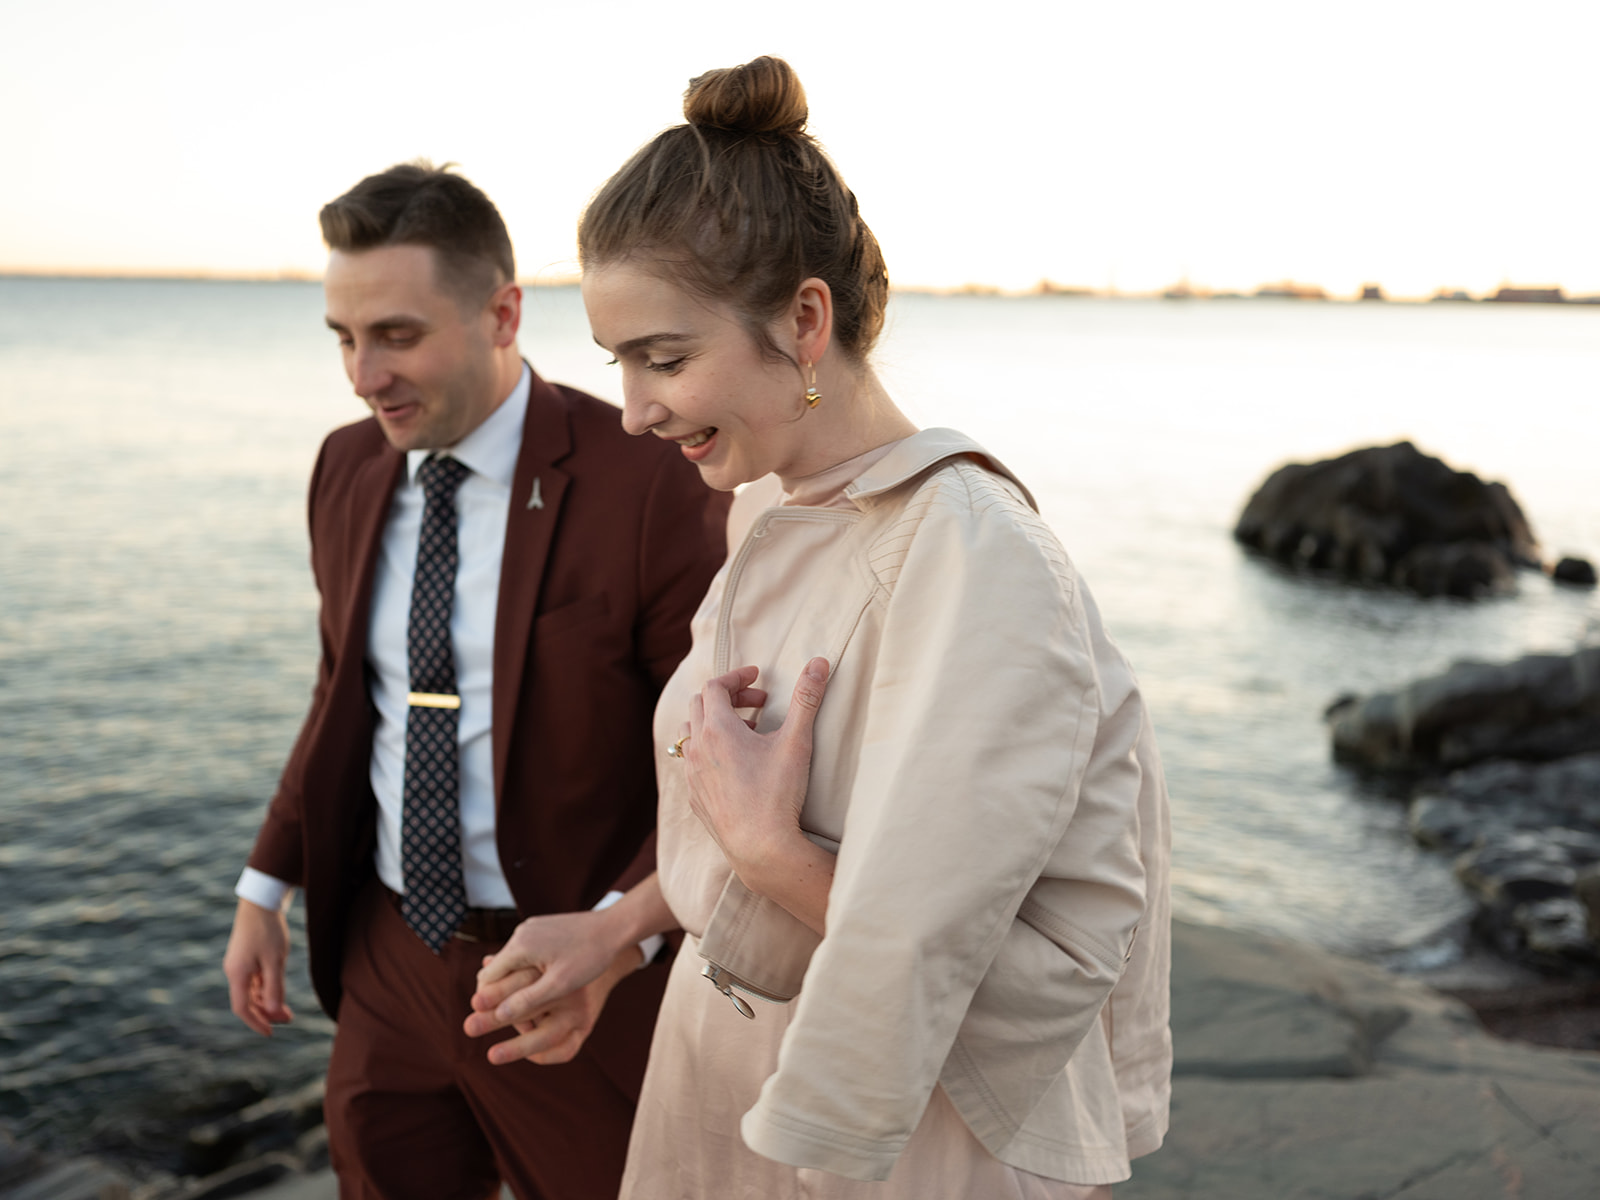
432	700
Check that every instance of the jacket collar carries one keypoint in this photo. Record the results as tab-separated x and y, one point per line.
918	454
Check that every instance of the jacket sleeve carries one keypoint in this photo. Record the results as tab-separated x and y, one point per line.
977	745
279	845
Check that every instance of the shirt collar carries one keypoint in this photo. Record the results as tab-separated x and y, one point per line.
491	449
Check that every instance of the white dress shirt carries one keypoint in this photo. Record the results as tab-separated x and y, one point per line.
482	506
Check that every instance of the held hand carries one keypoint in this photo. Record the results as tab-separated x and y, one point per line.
747	788
254	965
549	982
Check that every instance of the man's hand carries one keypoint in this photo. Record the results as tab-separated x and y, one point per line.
549	983
254	965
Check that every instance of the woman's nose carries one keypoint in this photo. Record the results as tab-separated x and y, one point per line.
640	414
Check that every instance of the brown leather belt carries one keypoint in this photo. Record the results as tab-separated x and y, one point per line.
479	924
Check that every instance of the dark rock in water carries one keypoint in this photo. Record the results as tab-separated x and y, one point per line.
1391	515
1527	906
1587	890
1578	571
1541	707
239	1180
1531	836
1495	799
273	1124
1553	930
1524	868
78	1179
1454	569
16	1161
243	1144
311	1148
27	1175
151	1129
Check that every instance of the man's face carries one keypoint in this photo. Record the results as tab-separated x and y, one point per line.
422	357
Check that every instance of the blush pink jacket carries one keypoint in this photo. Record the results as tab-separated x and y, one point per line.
987	773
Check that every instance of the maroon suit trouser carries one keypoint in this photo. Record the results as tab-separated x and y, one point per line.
414	1109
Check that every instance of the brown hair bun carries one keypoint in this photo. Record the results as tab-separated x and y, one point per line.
741	206
762	96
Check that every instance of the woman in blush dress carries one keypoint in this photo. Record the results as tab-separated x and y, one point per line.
912	817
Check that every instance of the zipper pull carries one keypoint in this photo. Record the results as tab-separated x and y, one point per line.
714	973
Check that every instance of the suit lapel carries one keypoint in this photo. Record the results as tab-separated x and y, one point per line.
370	499
537	493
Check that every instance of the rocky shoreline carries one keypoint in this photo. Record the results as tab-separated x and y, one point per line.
232	1154
1499	762
1299	1073
1501	766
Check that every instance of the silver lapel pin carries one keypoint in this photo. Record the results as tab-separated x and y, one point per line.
535	499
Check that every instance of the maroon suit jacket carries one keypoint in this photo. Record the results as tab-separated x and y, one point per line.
596	590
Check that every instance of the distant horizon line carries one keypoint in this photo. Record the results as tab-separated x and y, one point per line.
1182	290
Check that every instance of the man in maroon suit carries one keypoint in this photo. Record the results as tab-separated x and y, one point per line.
509	533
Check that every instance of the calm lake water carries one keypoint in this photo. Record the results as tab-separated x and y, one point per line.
157	617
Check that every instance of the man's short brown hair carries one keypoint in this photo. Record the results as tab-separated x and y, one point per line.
419	204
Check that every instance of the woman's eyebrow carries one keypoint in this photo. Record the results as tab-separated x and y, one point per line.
640	343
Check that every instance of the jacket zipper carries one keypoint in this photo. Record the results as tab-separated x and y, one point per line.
727	982
721	978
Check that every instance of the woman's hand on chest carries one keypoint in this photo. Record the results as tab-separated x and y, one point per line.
747	788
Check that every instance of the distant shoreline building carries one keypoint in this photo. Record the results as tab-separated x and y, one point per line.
1049	287
1289	290
1529	295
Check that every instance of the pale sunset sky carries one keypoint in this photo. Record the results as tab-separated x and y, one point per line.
1417	144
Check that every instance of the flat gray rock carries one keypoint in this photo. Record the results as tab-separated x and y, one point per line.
1399	1093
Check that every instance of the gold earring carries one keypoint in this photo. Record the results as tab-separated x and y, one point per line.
813	397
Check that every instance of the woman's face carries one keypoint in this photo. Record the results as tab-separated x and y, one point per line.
692	374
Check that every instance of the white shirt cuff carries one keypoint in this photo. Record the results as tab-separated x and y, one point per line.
260	888
650	947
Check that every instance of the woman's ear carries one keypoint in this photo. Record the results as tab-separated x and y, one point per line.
813	319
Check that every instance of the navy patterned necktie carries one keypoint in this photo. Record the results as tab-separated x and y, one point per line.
430	831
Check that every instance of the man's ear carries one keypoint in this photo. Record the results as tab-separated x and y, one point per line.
505	309
812	314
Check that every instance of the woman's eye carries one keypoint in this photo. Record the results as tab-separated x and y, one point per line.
666	368
611	362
